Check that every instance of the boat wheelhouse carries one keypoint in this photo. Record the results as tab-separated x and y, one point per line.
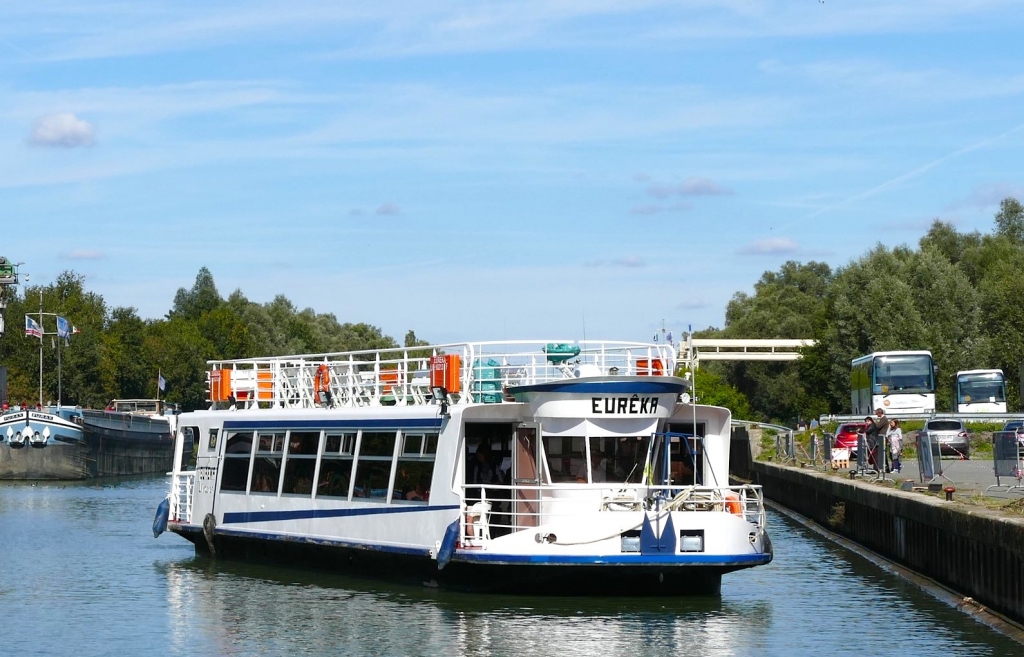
528	467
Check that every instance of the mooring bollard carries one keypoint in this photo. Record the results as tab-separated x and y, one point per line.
949	493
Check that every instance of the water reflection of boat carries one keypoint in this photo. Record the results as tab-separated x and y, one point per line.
527	467
223	605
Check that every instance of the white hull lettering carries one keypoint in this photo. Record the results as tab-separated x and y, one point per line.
634	405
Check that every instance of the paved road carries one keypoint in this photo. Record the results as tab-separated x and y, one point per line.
974	475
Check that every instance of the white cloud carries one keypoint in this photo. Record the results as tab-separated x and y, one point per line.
629	262
691	304
689	187
84	254
64	130
987	195
769	246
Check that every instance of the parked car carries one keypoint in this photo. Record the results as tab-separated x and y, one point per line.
1017	426
846	435
951	435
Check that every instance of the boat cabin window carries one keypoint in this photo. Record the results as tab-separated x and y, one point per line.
566	458
601	459
336	464
189	447
415	468
266	468
300	466
237	455
686	455
373	466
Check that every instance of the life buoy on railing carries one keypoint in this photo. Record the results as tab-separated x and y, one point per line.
322	385
733	504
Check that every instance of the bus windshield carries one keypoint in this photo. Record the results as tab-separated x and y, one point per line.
981	388
904	373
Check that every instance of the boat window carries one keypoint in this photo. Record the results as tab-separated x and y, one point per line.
415	468
373	468
237	455
412	444
300	467
335	474
377	444
686	455
566	459
340	443
266	469
212	445
629	455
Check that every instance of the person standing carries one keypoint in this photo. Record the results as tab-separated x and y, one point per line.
895	438
876	427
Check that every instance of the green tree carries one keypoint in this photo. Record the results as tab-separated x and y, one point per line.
1010	220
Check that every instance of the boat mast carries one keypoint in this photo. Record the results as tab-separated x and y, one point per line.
41	332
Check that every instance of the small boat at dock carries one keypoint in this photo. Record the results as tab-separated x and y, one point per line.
531	467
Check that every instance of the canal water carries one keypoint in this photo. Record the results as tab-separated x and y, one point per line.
82	575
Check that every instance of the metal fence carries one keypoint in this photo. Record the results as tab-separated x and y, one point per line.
929	457
1008	459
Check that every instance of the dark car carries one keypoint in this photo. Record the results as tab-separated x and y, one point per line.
846	435
951	435
1017	426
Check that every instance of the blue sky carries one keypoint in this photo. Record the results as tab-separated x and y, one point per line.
490	170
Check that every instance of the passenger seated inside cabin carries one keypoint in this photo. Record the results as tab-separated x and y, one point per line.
598	468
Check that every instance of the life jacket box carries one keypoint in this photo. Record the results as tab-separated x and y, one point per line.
487	381
445	370
220	385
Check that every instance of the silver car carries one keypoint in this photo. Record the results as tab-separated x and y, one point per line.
951	435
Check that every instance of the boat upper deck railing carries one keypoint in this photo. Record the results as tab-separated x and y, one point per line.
479	372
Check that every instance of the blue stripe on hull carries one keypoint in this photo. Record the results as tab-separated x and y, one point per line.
305	514
682	559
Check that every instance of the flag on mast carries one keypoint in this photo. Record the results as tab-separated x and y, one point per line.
64	330
32	328
161	382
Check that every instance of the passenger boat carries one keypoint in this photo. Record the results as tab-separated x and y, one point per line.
129	437
559	467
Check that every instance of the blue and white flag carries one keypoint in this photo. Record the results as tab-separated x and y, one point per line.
161	382
63	328
669	340
32	328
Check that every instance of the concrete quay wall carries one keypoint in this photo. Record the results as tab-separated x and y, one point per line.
971	550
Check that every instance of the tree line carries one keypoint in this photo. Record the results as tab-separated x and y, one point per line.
117	355
958	295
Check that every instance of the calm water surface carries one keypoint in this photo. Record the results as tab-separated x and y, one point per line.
80	574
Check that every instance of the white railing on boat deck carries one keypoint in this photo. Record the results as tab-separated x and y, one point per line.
401	376
182	489
492	511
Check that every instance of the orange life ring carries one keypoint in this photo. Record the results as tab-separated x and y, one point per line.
733	504
322	382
